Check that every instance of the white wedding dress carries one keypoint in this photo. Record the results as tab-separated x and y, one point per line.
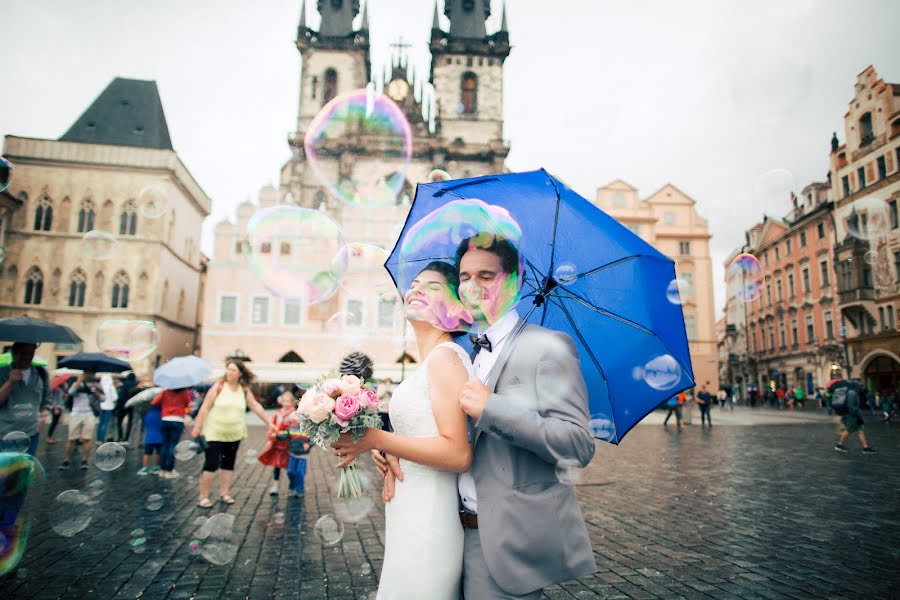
423	546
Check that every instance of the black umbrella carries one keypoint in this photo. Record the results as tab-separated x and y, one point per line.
94	361
34	331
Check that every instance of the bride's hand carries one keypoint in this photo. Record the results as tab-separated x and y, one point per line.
387	491
345	449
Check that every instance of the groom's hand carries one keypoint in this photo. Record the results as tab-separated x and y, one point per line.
474	397
387	464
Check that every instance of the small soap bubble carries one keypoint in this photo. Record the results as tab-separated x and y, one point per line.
871	257
251	455
6	169
353	510
98	244
278	518
186	450
566	273
678	291
22	573
15	441
137	545
744	278
660	373
330	530
24	410
72	513
110	456
137	532
128	339
154	502
438	175
194	548
153	202
569	472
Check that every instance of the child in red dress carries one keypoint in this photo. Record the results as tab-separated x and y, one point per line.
276	454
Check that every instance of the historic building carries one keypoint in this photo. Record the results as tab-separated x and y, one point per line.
669	221
865	183
789	333
147	264
456	121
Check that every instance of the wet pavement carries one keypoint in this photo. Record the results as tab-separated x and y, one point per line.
759	506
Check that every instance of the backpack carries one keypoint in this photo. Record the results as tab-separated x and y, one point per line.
843	399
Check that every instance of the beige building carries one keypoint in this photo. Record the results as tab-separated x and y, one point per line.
669	221
98	177
455	116
865	184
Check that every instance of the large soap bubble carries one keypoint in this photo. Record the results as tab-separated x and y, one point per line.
15	441
153	201
109	457
128	339
217	542
661	373
744	277
72	512
21	482
346	122
98	244
865	219
293	252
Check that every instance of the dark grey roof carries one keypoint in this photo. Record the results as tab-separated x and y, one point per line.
337	17
467	17
127	113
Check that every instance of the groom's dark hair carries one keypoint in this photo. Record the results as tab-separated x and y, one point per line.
504	249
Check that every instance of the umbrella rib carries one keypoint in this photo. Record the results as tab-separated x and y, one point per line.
555	225
573	296
584	343
609	265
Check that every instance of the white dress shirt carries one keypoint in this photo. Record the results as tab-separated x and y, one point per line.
497	334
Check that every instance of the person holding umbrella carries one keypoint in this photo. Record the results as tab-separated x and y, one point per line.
221	422
24	395
84	396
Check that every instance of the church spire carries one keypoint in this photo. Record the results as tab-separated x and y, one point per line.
302	14
365	19
436	21
504	26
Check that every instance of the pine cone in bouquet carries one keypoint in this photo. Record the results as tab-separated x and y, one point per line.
358	364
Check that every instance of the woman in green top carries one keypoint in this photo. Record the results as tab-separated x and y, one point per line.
222	424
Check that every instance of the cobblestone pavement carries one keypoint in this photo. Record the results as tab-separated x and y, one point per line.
754	511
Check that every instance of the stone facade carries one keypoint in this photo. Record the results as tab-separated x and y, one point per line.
462	143
669	221
160	263
865	182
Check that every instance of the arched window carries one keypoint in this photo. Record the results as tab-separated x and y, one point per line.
320	201
469	96
865	129
43	214
128	219
34	286
330	89
86	216
77	288
120	290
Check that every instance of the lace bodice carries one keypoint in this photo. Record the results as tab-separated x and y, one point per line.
410	409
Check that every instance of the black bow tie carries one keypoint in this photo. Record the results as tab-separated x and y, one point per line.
479	342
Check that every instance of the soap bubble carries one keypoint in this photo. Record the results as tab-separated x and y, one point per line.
137	545
308	270
3	255
21	483
200	521
251	455
194	548
154	502
437	176
5	173
95	488
278	518
569	471
871	257
99	244
773	188
602	427
566	273
219	546
344	122
353	510
363	267
679	291
330	530
661	373
865	219
128	339
23	410
137	532
153	201
110	456
744	277
186	450
15	441
72	513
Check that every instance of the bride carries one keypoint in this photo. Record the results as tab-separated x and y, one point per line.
423	549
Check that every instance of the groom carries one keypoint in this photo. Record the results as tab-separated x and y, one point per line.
523	527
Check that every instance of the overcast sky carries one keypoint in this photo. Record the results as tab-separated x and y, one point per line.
706	94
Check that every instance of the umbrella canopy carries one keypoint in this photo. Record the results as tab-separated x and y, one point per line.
144	396
35	331
584	274
94	361
6	359
183	372
60	380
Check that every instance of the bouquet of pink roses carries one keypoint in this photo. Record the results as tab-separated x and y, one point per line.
339	406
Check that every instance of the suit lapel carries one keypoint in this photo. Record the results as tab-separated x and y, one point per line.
494	375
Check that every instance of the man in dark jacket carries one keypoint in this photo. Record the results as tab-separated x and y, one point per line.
704	399
845	397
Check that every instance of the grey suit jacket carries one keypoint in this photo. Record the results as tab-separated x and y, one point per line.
530	524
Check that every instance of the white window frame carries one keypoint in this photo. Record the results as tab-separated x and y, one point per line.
362	312
237	308
284	304
253	300
378	323
669	218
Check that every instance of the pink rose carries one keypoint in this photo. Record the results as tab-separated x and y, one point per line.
345	408
332	387
350	385
319	408
307	397
368	398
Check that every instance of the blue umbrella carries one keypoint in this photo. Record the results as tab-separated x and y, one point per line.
585	275
183	372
